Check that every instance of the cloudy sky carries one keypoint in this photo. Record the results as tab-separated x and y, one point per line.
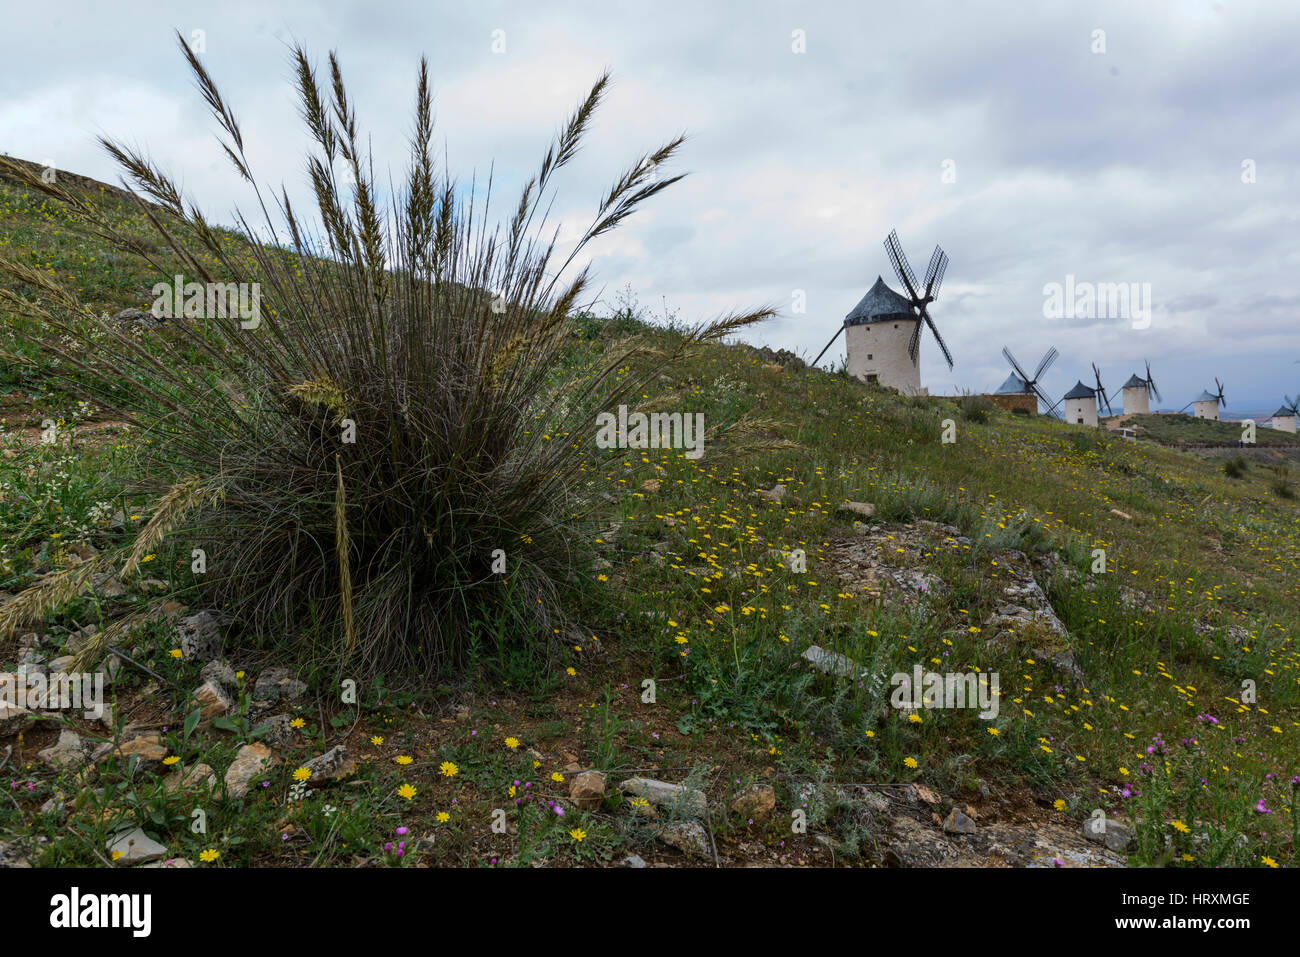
1153	143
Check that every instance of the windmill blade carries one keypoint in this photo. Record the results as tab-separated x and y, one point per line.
1151	384
1048	359
905	275
1006	354
1042	397
1105	398
937	338
934	273
914	345
1101	389
1292	404
828	345
1222	400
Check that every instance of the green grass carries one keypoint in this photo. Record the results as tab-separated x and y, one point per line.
1194	616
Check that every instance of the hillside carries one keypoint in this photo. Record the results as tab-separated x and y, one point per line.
1134	605
1186	432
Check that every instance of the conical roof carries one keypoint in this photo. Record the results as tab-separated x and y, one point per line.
1134	382
1013	386
880	304
1206	397
1081	391
1283	413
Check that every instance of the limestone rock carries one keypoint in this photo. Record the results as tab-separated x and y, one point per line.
832	662
134	847
68	751
275	684
280	732
213	701
587	790
200	636
664	794
12	718
148	750
689	837
334	765
219	671
252	761
758	803
958	823
1102	830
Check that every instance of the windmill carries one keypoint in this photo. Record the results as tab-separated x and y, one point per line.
1024	383
1206	405
1137	393
1102	397
1284	418
884	335
1081	405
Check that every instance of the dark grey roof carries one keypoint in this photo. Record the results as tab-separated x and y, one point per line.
1206	397
1081	391
1134	383
1014	385
1283	413
880	304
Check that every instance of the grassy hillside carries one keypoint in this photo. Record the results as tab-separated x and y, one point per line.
1156	681
1184	431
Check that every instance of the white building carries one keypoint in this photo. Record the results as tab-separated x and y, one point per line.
1205	406
878	331
1284	419
1081	405
1135	397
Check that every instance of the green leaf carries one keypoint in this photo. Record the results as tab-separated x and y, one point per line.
191	722
225	724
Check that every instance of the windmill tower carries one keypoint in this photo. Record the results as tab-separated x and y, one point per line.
1284	418
884	328
1081	405
1136	394
1021	383
1206	405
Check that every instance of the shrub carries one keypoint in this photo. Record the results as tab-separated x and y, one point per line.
408	405
1235	467
1281	482
976	408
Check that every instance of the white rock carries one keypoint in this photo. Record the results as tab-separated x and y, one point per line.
668	795
135	847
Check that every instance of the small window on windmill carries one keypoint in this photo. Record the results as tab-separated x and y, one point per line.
873	378
870	357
